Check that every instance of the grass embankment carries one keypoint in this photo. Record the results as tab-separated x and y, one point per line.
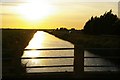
13	43
88	41
108	45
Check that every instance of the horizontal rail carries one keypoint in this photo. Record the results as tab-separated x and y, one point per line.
61	57
69	48
49	66
50	49
46	57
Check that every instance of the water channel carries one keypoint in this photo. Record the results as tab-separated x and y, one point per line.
42	40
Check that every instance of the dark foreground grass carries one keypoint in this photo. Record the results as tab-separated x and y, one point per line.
13	43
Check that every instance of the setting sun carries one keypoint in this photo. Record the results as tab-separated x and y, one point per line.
35	10
51	14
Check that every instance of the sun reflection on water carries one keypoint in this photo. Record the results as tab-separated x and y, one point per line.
35	43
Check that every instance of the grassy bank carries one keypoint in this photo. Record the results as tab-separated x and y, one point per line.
13	43
88	41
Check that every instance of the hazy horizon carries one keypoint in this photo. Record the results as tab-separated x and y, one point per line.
51	14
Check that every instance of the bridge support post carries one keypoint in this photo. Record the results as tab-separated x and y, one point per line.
78	60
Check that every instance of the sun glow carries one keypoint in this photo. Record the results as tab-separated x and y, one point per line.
35	10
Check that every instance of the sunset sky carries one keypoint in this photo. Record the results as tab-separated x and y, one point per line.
50	14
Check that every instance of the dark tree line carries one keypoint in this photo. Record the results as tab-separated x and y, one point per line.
64	29
107	24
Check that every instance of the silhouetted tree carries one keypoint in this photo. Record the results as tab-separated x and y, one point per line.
63	29
103	24
116	28
72	29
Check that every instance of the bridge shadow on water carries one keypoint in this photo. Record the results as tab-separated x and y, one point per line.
110	54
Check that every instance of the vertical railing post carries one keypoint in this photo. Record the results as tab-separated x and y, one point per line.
78	60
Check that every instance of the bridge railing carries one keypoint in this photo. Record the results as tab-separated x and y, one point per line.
78	65
51	57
